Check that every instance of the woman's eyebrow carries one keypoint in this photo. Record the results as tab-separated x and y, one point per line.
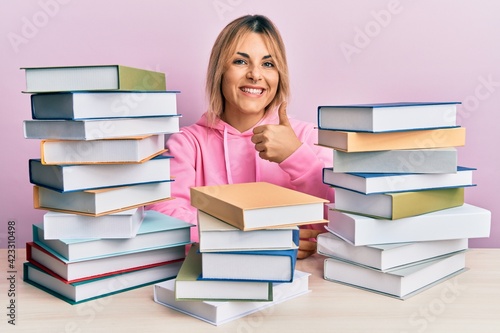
245	55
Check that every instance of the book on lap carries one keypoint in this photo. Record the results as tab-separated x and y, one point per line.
157	230
370	183
188	286
75	271
270	266
103	104
137	149
402	283
398	205
437	160
98	77
466	221
384	117
78	292
123	224
387	257
101	201
77	177
222	312
216	236
95	129
411	139
258	205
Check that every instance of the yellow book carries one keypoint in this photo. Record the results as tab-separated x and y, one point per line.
415	139
398	205
88	78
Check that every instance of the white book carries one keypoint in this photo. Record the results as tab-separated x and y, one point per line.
216	235
432	160
92	268
101	201
103	104
221	312
387	257
466	221
96	129
78	292
119	150
157	230
402	283
370	183
77	177
123	224
384	117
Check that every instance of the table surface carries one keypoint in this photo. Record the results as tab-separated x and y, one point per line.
468	302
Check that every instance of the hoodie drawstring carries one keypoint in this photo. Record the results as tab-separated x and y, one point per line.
226	158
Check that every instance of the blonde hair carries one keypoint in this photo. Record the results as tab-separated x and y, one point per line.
225	47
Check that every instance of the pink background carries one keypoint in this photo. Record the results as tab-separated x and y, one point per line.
339	52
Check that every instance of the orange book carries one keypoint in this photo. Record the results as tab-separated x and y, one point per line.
416	139
258	205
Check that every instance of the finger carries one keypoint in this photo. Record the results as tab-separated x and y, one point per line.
305	245
283	117
309	233
304	254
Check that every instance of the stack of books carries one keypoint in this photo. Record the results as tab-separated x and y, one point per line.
247	250
399	223
102	132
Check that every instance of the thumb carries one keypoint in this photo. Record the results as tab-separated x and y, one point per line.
283	117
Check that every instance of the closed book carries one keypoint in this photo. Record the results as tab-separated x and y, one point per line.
398	205
78	177
189	286
119	150
433	160
250	206
75	271
222	312
466	221
123	224
269	266
216	236
402	283
370	183
387	257
79	292
95	129
385	117
411	139
101	201
103	104
157	230
98	77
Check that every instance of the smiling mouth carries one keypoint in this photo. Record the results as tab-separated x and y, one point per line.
253	91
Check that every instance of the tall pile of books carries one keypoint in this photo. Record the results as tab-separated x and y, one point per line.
247	250
399	223
102	132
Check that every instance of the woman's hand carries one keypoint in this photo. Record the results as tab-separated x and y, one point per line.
276	142
307	243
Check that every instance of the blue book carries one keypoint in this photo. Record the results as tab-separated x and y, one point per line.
79	177
387	117
269	266
371	183
156	231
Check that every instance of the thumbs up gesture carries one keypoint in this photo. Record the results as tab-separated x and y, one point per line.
276	142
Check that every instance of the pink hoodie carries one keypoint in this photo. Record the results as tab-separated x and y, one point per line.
205	155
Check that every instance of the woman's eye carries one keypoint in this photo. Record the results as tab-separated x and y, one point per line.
239	62
268	64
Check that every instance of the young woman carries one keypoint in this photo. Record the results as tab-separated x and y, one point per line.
246	135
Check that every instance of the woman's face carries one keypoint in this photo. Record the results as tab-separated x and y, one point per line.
250	82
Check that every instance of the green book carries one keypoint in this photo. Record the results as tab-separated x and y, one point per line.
188	286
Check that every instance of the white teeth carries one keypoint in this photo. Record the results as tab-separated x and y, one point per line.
253	91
